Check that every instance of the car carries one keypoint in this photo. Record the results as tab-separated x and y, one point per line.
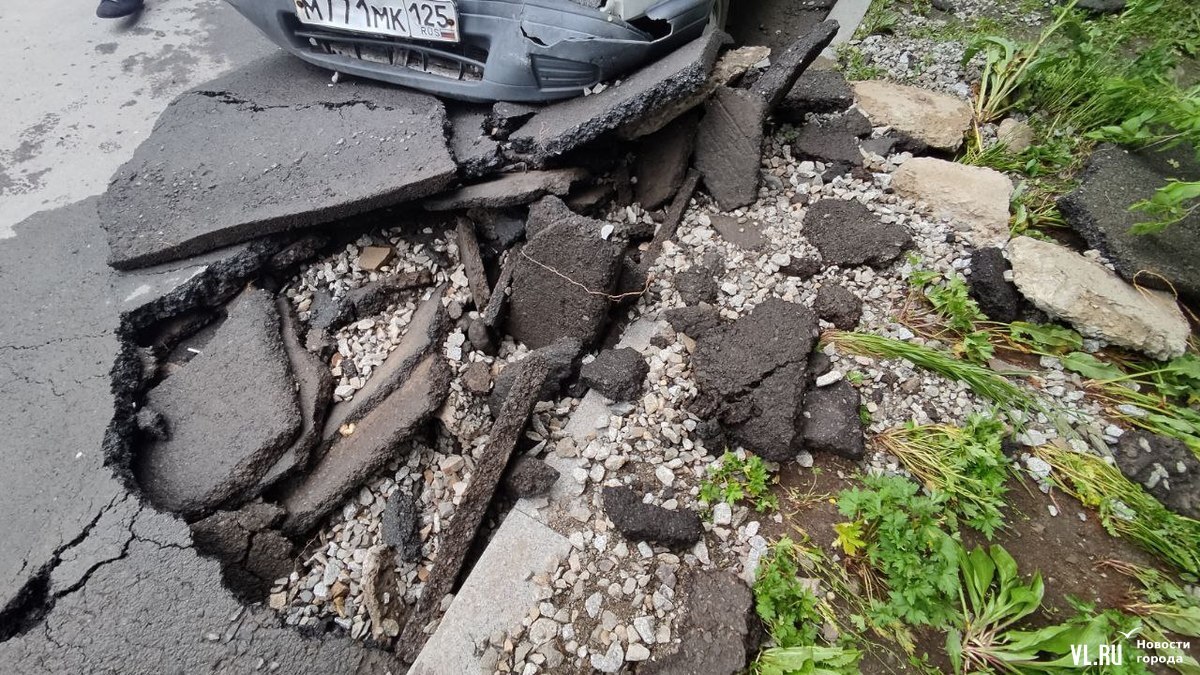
484	50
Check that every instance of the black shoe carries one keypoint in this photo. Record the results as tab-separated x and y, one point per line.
115	9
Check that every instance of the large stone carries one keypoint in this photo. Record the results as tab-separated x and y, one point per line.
639	521
848	234
927	118
563	278
729	146
1099	210
231	412
1166	467
616	373
719	632
268	148
819	91
997	296
751	376
1095	301
562	127
360	451
422	336
511	189
831	420
786	66
974	199
663	160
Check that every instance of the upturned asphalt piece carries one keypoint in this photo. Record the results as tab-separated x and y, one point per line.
267	148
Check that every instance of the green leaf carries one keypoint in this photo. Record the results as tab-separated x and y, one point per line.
1049	337
1090	367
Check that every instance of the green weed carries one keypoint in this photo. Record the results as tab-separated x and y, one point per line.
964	463
734	480
900	534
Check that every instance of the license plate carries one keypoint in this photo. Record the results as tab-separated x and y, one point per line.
421	19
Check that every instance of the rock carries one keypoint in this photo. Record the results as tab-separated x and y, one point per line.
831	420
1016	136
821	91
478	378
562	127
616	373
943	6
1095	301
326	314
817	143
324	154
927	118
512	189
779	79
371	443
1099	210
456	538
751	376
251	555
212	458
693	322
530	477
400	523
1166	467
838	306
881	146
848	234
646	522
637	653
729	146
997	297
545	306
850	122
1102	6
698	283
476	153
663	159
719	633
802	268
559	357
424	334
371	258
746	235
611	661
314	388
974	198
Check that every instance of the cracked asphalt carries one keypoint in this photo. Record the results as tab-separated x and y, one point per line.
92	580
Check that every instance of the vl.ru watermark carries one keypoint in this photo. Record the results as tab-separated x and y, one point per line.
1150	653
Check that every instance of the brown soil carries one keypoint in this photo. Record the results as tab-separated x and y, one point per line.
1066	549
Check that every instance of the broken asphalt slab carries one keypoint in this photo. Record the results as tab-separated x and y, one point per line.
130	594
560	128
208	459
330	153
511	189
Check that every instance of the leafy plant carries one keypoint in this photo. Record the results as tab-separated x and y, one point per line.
1125	508
995	599
808	660
787	605
1171	204
964	463
1045	338
899	533
733	480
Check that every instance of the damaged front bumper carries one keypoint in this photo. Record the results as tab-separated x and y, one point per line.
510	50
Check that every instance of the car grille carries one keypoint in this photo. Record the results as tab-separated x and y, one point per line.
556	73
456	62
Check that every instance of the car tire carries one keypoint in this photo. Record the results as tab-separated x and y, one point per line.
720	13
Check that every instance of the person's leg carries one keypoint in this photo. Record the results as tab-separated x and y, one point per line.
115	9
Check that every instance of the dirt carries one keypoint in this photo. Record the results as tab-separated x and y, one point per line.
1068	551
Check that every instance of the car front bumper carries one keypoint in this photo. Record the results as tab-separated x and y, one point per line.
510	50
